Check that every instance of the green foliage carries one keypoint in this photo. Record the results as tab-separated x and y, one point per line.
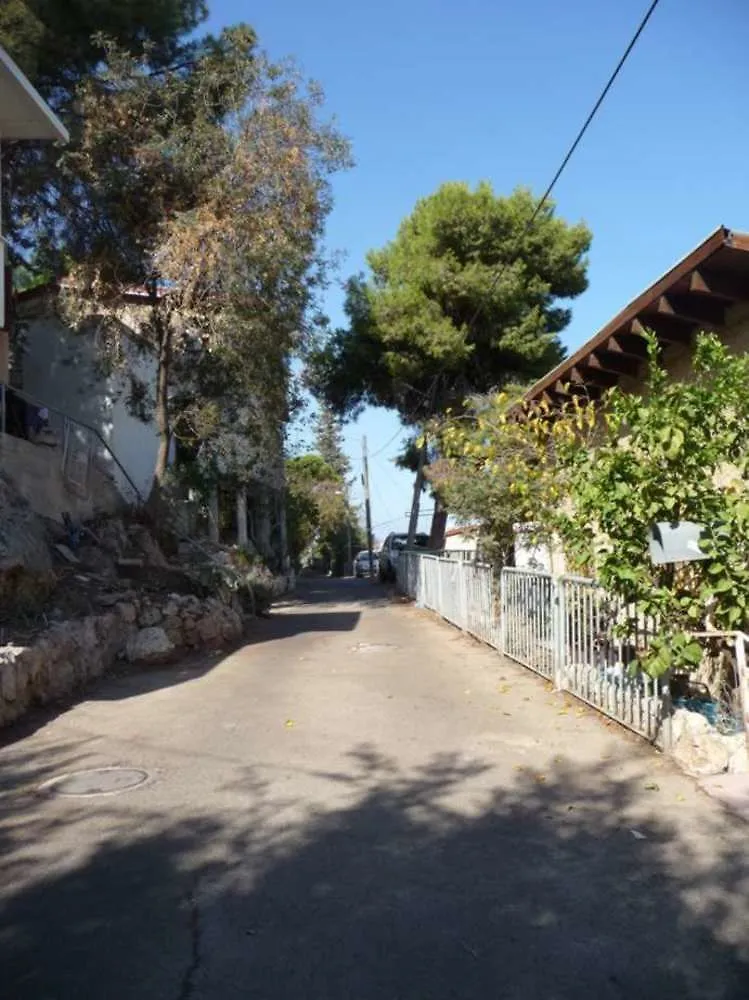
320	520
410	322
59	45
496	471
55	43
598	478
206	184
678	452
329	443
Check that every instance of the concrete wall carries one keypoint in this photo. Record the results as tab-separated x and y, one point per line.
59	369
540	557
460	542
36	471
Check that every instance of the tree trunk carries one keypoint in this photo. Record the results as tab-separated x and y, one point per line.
263	524
163	422
413	521
214	529
439	523
242	537
284	532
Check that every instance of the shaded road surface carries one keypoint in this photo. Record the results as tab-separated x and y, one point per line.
361	804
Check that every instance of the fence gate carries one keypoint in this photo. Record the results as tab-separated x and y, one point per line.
527	619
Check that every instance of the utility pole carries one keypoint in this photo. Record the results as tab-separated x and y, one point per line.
367	507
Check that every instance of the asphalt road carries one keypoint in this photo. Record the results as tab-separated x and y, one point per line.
361	804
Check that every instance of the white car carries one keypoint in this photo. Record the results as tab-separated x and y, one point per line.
361	564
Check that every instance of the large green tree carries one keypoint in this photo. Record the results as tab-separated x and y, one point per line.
463	299
59	45
207	185
54	41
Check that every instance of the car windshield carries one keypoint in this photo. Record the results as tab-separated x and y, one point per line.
401	541
364	554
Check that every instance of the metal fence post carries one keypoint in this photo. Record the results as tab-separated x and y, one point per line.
558	632
743	673
502	612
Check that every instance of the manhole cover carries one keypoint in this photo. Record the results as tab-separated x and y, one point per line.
97	781
373	647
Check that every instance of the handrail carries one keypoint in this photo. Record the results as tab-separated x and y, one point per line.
5	388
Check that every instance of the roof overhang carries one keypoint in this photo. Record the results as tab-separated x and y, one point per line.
694	295
24	114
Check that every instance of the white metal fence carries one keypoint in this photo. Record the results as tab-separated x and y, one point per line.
598	664
564	628
463	593
527	614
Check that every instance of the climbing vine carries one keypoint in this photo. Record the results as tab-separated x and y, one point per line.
597	478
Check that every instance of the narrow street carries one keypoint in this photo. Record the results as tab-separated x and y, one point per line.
361	804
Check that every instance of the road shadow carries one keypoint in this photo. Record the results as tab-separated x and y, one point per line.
401	891
287	619
364	593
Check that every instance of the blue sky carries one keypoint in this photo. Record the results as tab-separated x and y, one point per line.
496	89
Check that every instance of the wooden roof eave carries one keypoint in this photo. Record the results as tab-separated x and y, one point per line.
694	294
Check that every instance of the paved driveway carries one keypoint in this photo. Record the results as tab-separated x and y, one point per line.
361	804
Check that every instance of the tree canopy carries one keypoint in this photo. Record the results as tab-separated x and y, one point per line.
329	442
58	46
206	186
321	523
461	301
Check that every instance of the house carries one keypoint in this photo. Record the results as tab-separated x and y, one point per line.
463	539
61	369
24	115
50	468
706	290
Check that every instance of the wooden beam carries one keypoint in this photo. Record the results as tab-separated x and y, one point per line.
693	309
569	389
627	344
719	285
668	329
612	361
583	375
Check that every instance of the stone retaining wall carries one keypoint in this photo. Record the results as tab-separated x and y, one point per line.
67	656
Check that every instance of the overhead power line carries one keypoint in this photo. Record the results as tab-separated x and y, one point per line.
387	443
544	199
571	151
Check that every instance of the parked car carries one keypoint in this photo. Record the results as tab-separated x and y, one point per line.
361	564
391	549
